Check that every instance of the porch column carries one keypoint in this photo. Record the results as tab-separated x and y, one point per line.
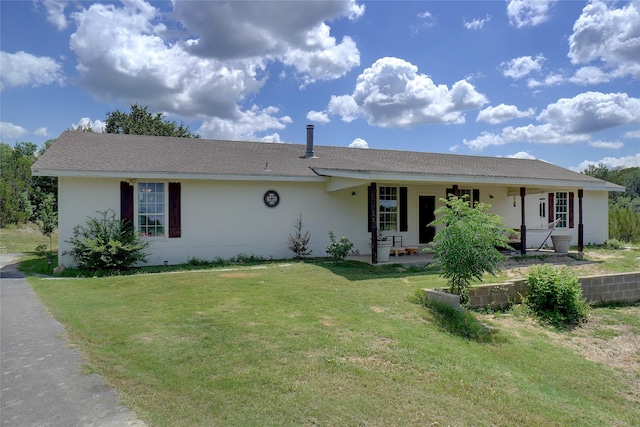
580	226
373	223
523	227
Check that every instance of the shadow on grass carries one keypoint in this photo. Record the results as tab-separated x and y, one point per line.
461	323
357	270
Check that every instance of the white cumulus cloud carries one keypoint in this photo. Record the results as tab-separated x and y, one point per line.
569	120
477	24
55	13
608	36
391	93
632	134
502	113
96	125
247	125
518	68
528	13
611	162
294	32
589	76
606	144
359	143
522	155
318	116
591	112
221	57
42	131
9	131
24	69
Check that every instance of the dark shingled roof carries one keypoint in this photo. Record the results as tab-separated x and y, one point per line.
94	153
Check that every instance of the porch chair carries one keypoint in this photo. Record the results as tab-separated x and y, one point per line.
552	226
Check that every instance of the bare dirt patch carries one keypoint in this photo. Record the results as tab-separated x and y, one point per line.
517	267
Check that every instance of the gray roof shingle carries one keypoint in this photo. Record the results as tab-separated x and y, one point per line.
94	153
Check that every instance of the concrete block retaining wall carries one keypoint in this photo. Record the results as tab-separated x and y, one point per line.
621	287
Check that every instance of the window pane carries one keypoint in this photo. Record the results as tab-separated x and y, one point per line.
388	208
151	208
561	205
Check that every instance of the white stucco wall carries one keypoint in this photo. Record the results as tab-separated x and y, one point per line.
223	219
226	218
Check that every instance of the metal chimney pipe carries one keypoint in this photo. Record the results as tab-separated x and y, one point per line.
310	152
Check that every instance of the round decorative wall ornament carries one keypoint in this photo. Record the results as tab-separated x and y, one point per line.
271	198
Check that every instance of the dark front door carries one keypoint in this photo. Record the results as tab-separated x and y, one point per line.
427	204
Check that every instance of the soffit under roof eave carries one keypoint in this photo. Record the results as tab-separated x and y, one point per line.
175	176
368	176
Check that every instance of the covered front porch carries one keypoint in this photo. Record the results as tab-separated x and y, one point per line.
533	219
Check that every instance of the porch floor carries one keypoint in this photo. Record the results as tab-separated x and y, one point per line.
421	259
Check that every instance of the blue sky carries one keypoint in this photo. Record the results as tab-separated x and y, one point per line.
553	80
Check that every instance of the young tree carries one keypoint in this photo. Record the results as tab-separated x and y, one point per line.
141	122
466	247
48	217
299	243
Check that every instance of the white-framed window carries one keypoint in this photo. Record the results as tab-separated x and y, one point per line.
562	208
388	209
151	209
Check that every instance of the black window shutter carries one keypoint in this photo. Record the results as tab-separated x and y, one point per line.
369	196
551	208
475	198
404	217
174	210
126	203
571	196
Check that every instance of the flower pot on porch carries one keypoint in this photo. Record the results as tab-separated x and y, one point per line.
561	243
384	248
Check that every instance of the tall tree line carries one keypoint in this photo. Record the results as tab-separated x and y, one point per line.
624	207
22	196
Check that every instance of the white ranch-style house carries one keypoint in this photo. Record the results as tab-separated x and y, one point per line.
208	199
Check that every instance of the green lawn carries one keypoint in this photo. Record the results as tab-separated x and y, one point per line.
24	239
316	344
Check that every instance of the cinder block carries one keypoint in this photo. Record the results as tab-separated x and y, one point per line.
443	297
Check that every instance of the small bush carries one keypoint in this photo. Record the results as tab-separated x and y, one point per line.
555	296
338	249
614	244
106	243
197	262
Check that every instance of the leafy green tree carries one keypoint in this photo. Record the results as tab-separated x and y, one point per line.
624	207
466	247
141	122
15	182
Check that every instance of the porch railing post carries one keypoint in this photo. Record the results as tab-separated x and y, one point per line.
580	225
373	208
523	227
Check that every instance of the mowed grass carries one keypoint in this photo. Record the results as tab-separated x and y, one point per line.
24	239
314	344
